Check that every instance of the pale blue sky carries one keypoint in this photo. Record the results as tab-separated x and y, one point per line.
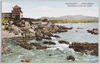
37	9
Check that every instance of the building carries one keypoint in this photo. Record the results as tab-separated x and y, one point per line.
15	13
45	20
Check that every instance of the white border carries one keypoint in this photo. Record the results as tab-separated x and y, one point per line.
48	0
0	28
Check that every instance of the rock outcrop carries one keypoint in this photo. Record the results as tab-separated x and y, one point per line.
26	60
56	36
38	46
70	58
49	42
62	41
85	48
16	30
37	31
79	28
25	45
39	35
4	46
93	31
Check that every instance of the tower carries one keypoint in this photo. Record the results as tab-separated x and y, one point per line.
16	12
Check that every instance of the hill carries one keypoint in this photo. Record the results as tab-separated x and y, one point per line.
73	17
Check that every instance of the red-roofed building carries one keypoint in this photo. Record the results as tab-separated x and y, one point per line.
15	13
45	20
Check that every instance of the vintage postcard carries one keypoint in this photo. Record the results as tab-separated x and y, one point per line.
50	32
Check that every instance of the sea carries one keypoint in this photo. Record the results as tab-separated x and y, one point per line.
57	53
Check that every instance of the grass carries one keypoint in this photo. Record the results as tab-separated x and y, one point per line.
73	21
4	20
5	27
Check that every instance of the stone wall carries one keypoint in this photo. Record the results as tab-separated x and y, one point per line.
6	15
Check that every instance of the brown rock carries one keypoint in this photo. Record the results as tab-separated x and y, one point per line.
70	58
50	54
39	39
25	45
82	47
49	42
49	34
62	30
42	47
38	46
70	28
79	28
93	31
4	45
62	41
26	60
56	36
22	60
47	37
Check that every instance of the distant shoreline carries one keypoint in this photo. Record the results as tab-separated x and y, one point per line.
73	21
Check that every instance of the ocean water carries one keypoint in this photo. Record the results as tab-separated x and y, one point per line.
58	52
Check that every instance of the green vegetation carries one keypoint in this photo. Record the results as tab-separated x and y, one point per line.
73	21
6	20
5	26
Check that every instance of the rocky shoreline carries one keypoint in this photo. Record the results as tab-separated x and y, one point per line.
36	31
39	32
87	48
93	31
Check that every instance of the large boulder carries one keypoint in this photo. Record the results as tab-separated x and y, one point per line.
39	35
11	22
6	22
45	30
93	31
49	42
27	32
40	26
82	47
38	46
62	30
42	47
26	60
47	37
16	30
48	33
27	24
24	44
70	58
54	28
34	27
4	46
79	28
62	41
62	27
56	36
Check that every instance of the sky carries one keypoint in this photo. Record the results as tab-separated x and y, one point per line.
37	9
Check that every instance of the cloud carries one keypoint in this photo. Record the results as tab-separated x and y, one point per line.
48	11
58	11
42	8
6	7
